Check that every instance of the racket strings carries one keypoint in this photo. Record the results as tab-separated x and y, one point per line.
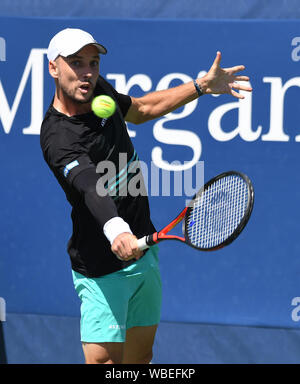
217	211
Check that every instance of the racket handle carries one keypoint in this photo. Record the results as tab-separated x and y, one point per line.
146	241
142	243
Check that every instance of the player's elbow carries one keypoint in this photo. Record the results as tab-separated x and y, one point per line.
143	117
139	117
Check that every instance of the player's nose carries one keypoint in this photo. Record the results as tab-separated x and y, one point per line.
87	74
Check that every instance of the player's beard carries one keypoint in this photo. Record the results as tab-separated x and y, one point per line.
71	96
89	100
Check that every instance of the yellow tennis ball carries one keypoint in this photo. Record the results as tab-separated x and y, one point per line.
103	106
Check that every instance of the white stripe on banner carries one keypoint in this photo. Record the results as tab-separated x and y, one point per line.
2	309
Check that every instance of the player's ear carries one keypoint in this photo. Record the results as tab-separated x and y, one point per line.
53	69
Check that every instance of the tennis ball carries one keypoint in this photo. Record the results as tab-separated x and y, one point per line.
103	106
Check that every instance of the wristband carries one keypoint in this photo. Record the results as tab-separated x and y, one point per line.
198	88
114	227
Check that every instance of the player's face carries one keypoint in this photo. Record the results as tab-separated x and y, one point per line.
77	74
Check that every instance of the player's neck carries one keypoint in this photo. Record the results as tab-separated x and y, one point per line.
68	107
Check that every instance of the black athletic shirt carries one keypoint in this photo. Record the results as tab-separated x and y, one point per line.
76	149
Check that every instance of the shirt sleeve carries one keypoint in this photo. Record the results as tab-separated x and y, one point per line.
64	154
102	207
71	165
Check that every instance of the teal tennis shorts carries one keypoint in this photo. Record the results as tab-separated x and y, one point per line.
113	303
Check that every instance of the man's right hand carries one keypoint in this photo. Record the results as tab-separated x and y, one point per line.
125	247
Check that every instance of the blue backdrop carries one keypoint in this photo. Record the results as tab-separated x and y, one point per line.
213	9
254	281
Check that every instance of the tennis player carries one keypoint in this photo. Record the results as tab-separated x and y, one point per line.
118	285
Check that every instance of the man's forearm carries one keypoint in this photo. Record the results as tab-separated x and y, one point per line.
159	103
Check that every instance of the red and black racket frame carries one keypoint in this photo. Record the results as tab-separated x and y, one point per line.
157	237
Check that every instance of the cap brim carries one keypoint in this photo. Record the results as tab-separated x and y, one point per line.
100	48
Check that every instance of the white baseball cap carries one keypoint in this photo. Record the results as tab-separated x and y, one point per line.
69	41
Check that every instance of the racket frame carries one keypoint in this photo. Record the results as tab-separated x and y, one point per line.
241	225
161	235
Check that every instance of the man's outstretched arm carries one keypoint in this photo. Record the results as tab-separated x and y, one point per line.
217	81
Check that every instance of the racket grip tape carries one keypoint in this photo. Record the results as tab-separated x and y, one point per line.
145	242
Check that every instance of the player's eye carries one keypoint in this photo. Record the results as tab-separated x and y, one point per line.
76	63
94	63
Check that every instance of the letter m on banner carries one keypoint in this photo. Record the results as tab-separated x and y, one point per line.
35	66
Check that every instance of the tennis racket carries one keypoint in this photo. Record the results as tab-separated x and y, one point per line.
215	217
